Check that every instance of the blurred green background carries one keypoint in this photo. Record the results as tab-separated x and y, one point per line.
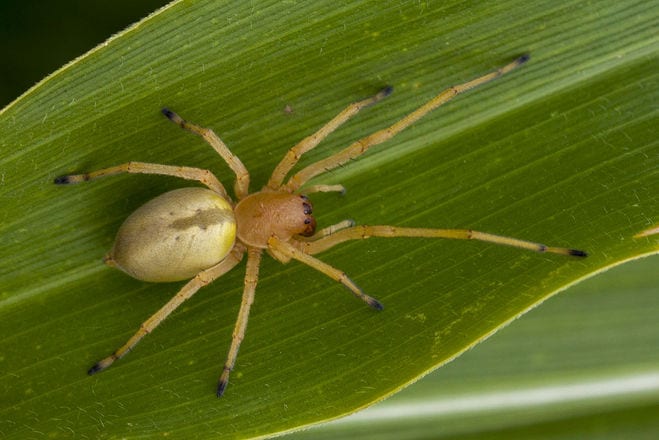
39	37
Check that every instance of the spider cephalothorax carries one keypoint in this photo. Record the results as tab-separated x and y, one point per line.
264	214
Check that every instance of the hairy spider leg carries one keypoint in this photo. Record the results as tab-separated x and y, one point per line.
362	145
241	186
202	176
325	188
329	230
191	287
293	155
363	231
282	248
251	279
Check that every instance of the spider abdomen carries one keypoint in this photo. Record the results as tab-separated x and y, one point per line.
175	236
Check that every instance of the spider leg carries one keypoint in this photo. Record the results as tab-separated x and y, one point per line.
288	251
325	188
251	278
310	142
362	232
200	280
362	145
242	175
332	229
189	173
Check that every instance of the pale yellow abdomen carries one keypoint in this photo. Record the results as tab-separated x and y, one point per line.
175	236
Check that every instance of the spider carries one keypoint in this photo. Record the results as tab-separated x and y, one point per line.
199	234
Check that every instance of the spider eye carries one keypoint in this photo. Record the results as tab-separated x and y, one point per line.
310	227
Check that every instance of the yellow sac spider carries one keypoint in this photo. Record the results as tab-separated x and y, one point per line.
200	234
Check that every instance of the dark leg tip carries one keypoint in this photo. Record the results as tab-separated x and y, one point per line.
374	303
524	58
172	116
221	387
168	113
578	253
95	369
386	91
61	180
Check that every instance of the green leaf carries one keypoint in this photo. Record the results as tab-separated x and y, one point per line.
563	151
577	367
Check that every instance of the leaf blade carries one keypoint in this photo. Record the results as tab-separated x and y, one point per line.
103	110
